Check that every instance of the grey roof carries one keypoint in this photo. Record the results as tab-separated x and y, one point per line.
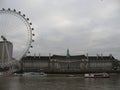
60	57
6	42
101	57
76	57
41	58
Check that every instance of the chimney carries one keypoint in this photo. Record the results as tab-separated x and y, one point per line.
87	55
49	55
97	56
34	55
110	56
39	55
101	55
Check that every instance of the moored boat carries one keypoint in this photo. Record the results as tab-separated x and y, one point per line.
35	74
42	74
96	75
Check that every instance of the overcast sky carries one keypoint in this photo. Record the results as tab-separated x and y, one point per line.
82	26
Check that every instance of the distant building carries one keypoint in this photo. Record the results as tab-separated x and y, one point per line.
82	63
65	64
35	63
6	51
71	64
101	63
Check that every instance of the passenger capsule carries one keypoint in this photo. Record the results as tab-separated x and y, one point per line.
3	9
27	18
32	40
30	23
28	51
9	9
23	15
14	10
32	28
19	12
33	34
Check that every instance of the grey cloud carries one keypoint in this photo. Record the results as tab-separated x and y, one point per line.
80	25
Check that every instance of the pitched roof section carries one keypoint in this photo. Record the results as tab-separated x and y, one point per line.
60	57
77	57
101	57
45	58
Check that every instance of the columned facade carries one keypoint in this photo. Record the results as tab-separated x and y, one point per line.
63	64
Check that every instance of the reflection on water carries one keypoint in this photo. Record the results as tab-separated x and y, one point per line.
59	83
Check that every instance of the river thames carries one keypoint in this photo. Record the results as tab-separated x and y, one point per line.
59	83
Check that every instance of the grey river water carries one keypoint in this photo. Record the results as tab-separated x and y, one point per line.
59	83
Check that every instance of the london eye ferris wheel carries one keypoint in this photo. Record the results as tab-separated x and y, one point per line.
16	27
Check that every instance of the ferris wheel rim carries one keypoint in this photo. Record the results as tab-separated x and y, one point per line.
28	25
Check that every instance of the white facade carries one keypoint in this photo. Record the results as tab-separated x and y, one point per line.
6	51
